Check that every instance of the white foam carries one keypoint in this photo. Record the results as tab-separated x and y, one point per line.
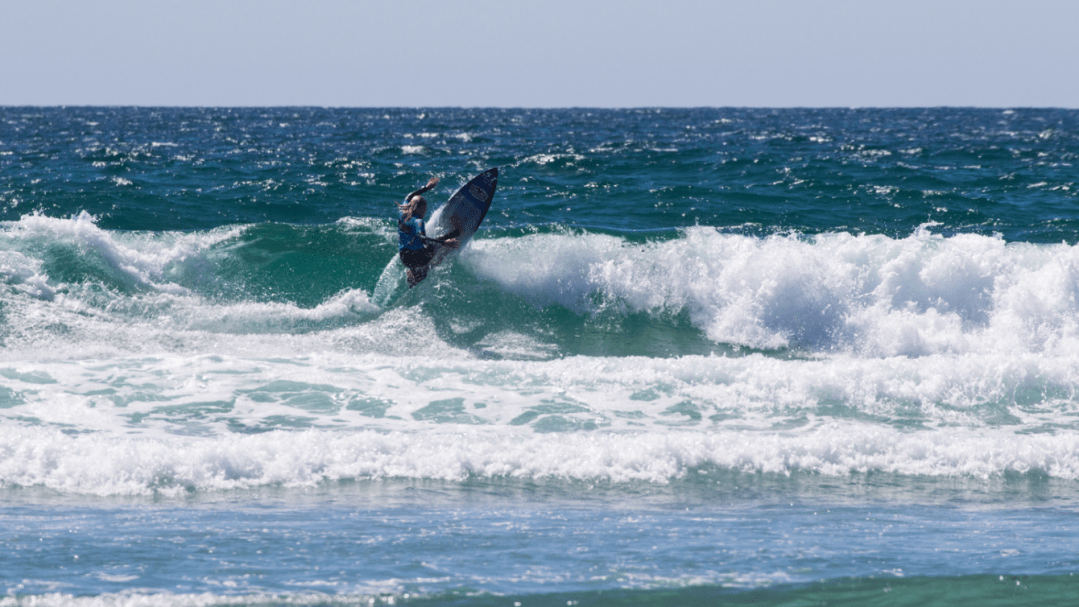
155	313
167	423
25	275
93	464
141	259
245	317
1027	392
869	295
516	345
190	325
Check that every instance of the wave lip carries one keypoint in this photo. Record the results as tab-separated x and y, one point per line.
871	296
56	252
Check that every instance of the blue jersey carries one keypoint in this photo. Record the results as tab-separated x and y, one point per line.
410	234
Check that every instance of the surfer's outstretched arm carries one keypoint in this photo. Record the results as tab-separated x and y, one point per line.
430	185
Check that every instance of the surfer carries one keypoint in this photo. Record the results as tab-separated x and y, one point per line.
415	248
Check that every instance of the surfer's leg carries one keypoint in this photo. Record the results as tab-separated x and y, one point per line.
416	263
415	275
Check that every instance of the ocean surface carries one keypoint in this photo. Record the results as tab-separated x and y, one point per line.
692	357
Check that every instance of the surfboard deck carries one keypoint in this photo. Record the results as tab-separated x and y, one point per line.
468	206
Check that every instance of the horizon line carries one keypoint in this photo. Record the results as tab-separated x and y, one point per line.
522	107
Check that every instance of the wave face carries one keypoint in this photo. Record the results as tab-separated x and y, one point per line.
697	290
667	313
832	354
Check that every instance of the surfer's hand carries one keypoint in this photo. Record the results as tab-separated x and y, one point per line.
432	183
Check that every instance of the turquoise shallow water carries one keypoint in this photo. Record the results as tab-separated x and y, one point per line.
693	357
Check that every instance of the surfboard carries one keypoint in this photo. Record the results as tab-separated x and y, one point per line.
466	209
469	204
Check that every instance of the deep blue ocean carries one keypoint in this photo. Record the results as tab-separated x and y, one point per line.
692	357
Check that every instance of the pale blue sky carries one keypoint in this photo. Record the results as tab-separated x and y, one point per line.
541	53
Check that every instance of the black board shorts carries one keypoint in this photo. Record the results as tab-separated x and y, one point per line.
417	258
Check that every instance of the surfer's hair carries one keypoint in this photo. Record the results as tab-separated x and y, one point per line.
417	205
